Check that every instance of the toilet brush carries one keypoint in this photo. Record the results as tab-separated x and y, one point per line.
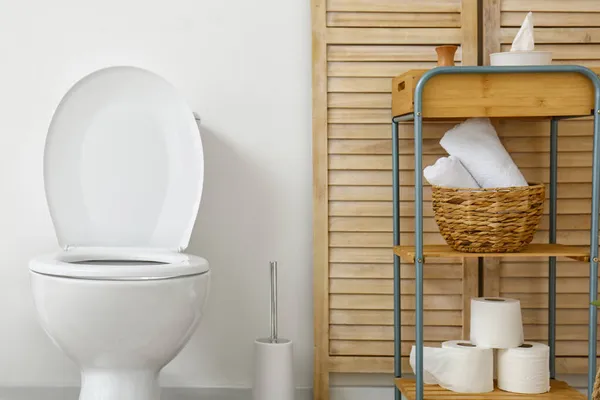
273	358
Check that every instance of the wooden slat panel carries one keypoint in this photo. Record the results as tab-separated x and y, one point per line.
385	286
384	53
540	300
420	6
381	36
393	20
386	302
551	19
370	317
551	5
359	100
367	116
359	85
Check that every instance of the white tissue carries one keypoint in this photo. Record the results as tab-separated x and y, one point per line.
457	366
524	369
524	41
477	146
496	323
449	172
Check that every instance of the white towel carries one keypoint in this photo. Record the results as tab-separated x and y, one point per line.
476	144
449	172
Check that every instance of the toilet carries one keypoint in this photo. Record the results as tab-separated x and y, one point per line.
123	177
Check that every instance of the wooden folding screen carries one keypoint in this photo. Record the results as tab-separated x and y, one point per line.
358	46
571	30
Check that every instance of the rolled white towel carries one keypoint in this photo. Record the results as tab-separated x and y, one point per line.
449	172
476	144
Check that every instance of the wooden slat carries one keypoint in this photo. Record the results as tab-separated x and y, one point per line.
358	85
374	69
567	51
367	116
469	29
371	317
558	391
367	162
555	35
505	128
432	146
393	20
368	365
419	6
563	316
551	5
551	19
384	53
386	302
470	289
385	286
359	100
491	28
540	300
540	285
540	269
378	332
319	200
369	193
393	36
384	208
372	348
385	271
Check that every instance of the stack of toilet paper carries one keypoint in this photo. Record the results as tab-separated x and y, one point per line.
496	349
477	159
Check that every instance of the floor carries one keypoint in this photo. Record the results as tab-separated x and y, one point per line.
337	393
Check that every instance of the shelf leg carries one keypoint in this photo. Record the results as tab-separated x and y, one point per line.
419	249
552	260
593	326
396	217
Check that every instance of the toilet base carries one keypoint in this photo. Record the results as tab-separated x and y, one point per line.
119	385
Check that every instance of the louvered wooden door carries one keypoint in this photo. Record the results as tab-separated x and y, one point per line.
571	30
358	46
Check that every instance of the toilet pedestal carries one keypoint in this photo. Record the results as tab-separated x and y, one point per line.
102	384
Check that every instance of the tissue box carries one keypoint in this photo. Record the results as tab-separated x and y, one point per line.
496	95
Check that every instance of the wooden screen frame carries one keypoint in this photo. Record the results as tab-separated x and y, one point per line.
324	363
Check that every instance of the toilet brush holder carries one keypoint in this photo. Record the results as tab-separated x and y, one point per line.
273	358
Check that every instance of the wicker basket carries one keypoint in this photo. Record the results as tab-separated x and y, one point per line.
491	220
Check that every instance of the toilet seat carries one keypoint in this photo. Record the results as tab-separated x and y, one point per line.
123	175
119	264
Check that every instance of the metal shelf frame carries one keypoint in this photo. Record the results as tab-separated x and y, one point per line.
417	117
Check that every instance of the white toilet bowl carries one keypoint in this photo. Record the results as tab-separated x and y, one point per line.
123	170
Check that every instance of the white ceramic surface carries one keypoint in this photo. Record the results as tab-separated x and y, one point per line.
521	58
123	170
125	264
123	164
120	333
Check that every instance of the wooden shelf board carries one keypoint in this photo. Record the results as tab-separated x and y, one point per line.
533	250
559	390
507	95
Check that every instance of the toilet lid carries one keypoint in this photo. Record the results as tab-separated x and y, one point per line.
123	163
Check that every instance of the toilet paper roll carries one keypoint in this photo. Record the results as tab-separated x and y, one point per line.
273	370
496	322
458	366
524	369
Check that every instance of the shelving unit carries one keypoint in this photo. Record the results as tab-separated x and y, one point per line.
548	92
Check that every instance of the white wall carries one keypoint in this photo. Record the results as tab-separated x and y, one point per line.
244	66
